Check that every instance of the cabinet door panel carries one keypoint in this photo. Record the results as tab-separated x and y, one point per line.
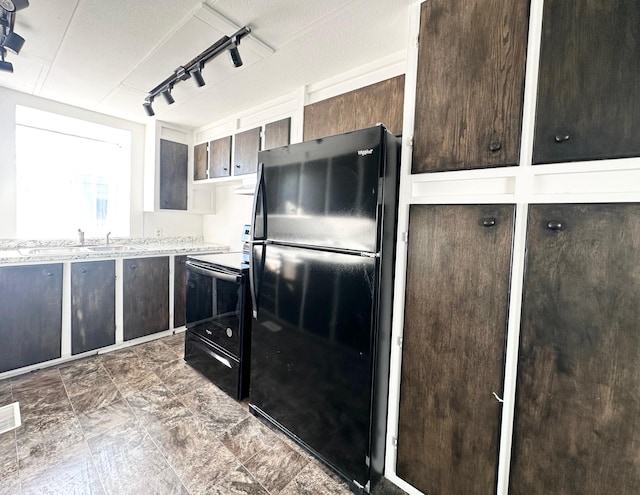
588	91
220	157
179	291
470	89
453	347
577	417
31	309
93	305
145	296
247	145
277	133
173	175
200	162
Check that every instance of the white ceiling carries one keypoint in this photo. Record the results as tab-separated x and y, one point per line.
106	55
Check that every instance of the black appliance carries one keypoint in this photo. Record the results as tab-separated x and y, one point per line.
323	249
218	314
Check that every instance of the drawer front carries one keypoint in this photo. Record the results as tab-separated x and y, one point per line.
221	368
222	331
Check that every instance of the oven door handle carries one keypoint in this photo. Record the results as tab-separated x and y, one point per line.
208	272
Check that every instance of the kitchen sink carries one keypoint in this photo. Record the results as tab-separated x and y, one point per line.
51	250
111	249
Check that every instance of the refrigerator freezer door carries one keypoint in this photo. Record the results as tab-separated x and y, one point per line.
324	193
311	350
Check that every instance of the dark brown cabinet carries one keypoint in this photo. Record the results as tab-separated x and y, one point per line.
145	296
456	303
277	133
31	309
588	92
470	84
200	158
246	148
577	415
179	291
220	157
365	107
173	175
93	305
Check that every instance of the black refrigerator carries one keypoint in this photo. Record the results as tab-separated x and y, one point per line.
321	272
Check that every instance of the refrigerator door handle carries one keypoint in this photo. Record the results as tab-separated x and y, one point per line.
260	193
253	289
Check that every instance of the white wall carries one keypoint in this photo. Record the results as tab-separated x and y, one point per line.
232	212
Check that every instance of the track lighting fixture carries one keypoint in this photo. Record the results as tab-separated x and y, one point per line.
9	40
197	77
167	96
148	108
194	67
235	55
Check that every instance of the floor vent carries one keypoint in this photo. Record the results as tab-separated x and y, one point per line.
10	417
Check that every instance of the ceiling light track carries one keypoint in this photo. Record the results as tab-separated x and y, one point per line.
194	68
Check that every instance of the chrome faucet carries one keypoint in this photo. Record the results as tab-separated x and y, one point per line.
108	234
81	237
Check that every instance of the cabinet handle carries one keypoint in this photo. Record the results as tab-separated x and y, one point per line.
237	166
555	225
495	146
561	138
48	274
224	168
489	222
133	266
83	270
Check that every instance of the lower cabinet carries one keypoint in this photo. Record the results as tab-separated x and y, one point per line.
456	303
179	291
145	296
577	415
31	309
93	305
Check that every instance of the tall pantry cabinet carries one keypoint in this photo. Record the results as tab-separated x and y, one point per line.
516	313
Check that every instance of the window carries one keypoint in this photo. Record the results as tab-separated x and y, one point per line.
71	174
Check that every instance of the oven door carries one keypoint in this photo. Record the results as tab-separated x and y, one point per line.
214	305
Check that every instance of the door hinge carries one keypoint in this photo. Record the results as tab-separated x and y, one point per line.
394	442
399	341
417	41
405	236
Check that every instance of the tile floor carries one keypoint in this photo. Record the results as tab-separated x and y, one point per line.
141	421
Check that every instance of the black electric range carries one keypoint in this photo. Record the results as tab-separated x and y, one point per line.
218	336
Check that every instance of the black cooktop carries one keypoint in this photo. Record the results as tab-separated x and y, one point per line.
233	261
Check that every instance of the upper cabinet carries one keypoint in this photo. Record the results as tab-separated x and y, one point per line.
173	175
277	133
588	93
470	84
365	107
220	157
200	166
246	148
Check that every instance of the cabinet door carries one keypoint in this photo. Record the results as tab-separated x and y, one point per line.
364	107
277	133
577	417
470	88
93	305
31	309
247	145
179	291
588	91
200	162
456	307
145	296
173	175
220	157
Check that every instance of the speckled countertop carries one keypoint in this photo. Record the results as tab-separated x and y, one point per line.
27	251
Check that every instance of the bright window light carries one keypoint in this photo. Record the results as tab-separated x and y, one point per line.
71	174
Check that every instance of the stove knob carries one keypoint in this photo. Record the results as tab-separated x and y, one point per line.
229	332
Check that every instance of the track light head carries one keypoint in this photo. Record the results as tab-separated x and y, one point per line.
5	66
13	42
197	77
148	108
167	96
235	55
